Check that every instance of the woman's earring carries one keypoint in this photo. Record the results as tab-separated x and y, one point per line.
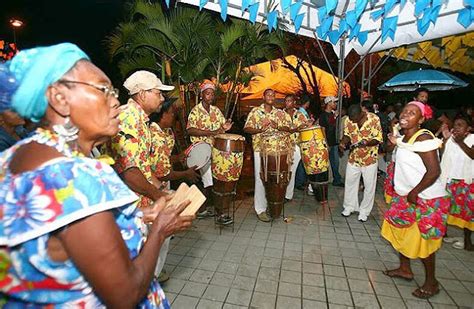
68	130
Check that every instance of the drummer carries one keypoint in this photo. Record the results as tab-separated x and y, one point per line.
163	144
204	122
264	118
298	121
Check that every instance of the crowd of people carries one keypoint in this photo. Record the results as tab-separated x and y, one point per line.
93	165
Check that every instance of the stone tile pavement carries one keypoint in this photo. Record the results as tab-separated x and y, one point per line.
317	260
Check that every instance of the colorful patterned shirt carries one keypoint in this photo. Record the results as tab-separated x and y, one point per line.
163	143
52	196
132	146
258	118
371	129
200	119
298	120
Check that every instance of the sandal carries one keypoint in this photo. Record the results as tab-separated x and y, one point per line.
424	294
394	273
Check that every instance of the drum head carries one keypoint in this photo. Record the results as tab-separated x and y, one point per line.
229	136
198	154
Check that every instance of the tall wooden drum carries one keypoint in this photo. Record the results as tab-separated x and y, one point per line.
276	157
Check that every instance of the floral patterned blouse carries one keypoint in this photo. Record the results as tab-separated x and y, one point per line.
199	118
36	203
163	143
371	129
132	146
259	118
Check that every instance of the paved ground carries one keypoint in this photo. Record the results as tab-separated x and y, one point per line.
317	260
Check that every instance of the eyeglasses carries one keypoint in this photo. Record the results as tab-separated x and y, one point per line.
107	90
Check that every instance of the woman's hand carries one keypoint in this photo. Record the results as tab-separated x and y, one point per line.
168	220
412	196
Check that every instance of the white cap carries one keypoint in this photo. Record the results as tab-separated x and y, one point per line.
144	80
330	99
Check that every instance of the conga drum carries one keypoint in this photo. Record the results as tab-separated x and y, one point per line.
227	161
276	158
315	157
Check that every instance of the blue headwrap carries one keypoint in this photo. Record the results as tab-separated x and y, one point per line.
35	70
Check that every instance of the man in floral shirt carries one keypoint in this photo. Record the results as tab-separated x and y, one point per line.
132	146
363	134
298	121
204	122
261	119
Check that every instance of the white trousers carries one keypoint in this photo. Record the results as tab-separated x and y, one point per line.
260	200
206	176
351	188
290	189
162	256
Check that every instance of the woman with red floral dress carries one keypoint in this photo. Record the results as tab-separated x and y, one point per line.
416	220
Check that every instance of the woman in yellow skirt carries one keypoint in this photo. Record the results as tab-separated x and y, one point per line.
416	220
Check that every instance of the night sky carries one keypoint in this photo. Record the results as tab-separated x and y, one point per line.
84	22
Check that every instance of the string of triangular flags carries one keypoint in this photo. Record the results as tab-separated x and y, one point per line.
452	51
426	11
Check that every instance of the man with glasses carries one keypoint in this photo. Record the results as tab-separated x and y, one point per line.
132	146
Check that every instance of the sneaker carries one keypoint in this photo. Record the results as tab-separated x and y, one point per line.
338	184
362	218
450	240
310	190
346	213
163	277
264	217
205	214
459	244
224	220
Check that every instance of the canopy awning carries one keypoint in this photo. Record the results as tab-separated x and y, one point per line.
364	25
275	75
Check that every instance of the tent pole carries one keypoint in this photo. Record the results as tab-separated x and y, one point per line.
340	81
370	73
362	83
381	63
361	59
325	57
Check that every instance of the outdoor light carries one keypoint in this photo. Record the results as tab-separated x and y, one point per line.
16	23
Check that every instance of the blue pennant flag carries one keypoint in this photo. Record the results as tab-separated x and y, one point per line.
351	19
253	10
389	5
322	14
362	36
422	28
360	7
389	26
245	5
434	13
202	3
223	4
298	20
377	14
425	20
167	3
334	36
285	5
295	9
435	3
354	32
469	3
331	5
342	26
326	25
272	20
420	6
320	34
466	17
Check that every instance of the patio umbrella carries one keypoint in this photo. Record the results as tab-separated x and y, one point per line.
431	79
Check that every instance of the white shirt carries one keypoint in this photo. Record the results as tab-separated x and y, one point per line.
409	170
456	164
